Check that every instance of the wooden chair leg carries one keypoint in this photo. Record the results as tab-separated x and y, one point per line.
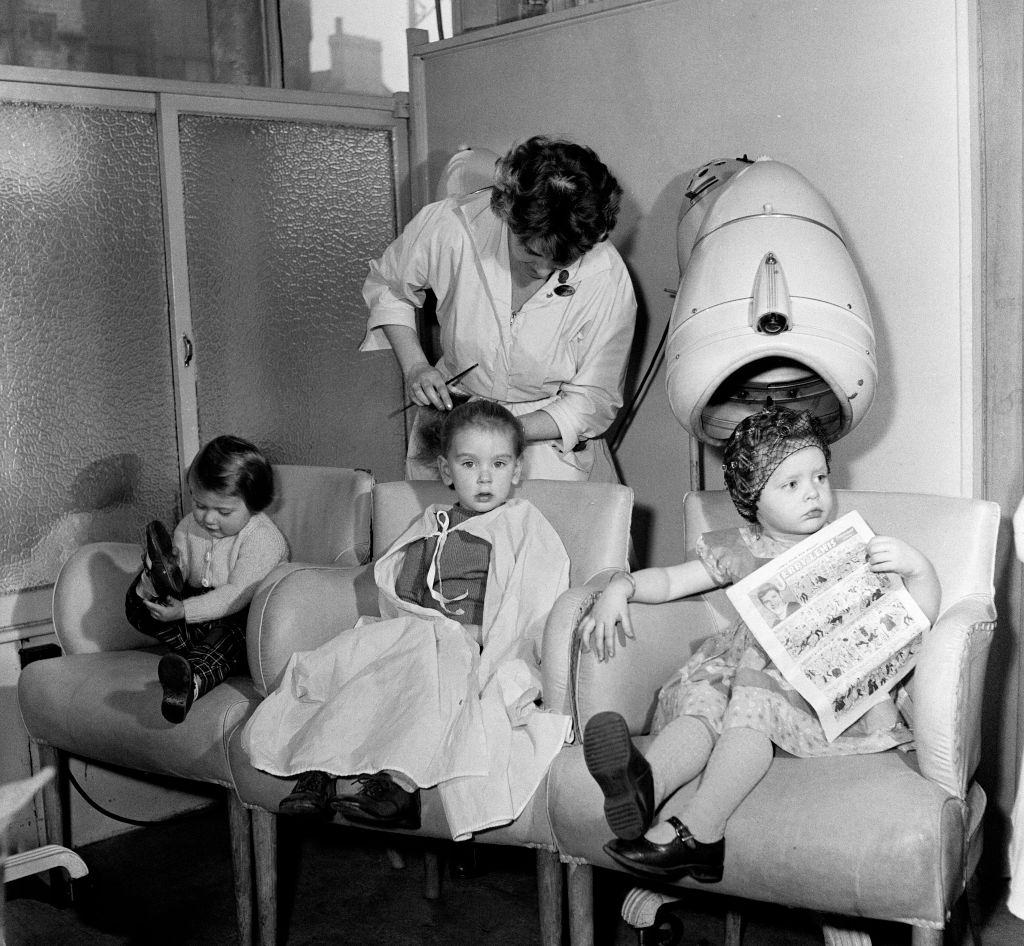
431	874
733	928
581	905
264	842
56	810
549	897
240	823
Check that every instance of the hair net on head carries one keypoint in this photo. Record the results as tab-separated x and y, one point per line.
759	444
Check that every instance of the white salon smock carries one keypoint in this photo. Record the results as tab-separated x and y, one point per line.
564	352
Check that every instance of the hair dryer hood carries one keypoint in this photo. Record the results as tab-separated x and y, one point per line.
770	305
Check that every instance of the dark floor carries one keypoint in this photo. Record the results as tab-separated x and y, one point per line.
171	884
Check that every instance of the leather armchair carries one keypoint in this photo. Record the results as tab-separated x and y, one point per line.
100	700
893	836
311	605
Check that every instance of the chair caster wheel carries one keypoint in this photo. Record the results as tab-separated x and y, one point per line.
666	931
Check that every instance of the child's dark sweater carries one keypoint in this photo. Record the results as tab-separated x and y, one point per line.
462	569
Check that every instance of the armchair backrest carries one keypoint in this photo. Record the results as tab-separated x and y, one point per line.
592	519
957	534
324	513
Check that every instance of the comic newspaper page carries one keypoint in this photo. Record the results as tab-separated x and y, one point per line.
841	635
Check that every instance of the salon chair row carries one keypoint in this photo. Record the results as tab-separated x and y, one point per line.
892	837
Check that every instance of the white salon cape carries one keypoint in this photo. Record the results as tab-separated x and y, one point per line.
412	691
565	351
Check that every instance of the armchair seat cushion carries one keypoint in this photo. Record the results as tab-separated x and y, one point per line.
815	833
257	789
106	707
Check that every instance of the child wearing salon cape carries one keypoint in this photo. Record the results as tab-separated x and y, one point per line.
443	688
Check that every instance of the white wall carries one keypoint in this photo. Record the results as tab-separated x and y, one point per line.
867	100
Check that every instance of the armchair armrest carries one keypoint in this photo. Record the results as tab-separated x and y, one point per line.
300	607
947	692
88	599
666	635
559	649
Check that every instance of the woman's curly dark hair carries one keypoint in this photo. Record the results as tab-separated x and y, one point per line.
557	197
437	429
759	444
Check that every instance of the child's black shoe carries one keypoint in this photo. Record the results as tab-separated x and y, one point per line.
176	677
683	856
164	573
381	803
311	795
622	772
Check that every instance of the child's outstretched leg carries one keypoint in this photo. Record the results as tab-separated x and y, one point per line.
188	675
693	844
633	785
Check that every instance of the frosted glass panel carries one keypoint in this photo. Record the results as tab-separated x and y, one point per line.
89	449
281	219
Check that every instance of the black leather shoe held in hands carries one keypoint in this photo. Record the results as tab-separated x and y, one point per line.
164	573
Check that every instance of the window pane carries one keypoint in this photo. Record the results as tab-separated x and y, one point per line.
163	39
355	46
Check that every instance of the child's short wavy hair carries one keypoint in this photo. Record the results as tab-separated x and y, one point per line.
439	428
556	196
759	444
234	466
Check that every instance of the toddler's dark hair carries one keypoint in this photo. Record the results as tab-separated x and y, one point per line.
439	428
234	466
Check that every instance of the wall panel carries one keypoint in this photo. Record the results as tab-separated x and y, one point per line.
867	100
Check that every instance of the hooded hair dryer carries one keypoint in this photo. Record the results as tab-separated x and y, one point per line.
769	306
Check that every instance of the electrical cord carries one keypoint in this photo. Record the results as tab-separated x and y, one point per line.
641	392
109	814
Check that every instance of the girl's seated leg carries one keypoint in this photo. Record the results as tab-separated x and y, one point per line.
175	634
634	786
679	754
189	673
691	841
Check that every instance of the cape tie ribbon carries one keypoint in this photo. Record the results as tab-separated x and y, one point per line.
443	523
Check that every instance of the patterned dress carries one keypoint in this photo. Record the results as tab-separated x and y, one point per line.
730	681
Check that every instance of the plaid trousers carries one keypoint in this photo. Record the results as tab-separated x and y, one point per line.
214	649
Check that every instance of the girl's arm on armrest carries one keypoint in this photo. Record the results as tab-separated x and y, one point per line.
647	586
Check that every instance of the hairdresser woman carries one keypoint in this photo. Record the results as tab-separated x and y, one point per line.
530	291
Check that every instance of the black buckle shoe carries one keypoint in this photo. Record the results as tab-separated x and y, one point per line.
175	674
683	856
311	795
380	803
164	573
622	772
